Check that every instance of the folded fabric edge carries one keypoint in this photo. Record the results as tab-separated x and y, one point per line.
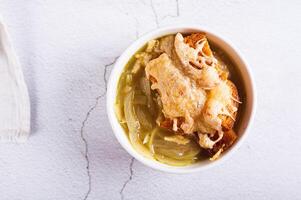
21	133
13	136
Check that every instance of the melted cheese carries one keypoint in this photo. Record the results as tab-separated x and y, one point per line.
197	95
186	53
195	56
205	141
218	99
218	102
179	96
205	75
209	78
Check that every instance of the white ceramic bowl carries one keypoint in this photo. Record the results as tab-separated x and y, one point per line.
246	84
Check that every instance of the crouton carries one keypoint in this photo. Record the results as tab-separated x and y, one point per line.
228	139
227	121
192	40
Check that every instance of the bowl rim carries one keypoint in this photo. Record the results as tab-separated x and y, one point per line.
112	91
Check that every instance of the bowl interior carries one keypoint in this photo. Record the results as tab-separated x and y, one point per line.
240	75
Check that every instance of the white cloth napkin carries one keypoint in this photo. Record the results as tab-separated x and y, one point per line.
14	99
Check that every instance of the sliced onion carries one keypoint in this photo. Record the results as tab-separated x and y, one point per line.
140	99
146	89
144	117
134	125
173	162
162	148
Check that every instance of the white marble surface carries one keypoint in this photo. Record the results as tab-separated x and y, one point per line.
67	49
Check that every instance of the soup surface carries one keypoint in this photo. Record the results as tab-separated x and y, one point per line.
176	102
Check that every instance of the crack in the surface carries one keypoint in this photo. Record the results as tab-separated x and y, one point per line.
128	180
86	152
105	74
155	13
87	148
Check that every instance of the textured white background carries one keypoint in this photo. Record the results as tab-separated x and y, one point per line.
67	48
